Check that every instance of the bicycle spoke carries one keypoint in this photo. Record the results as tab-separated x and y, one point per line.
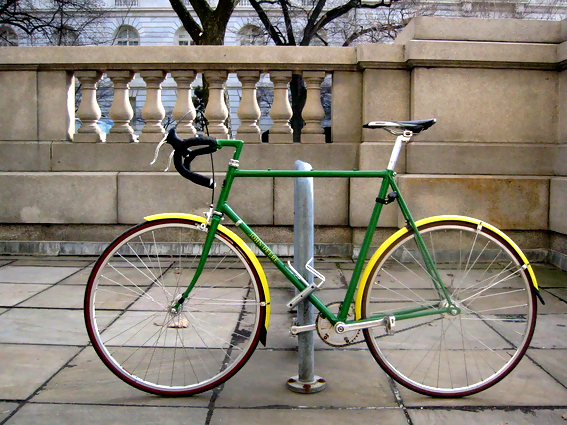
149	345
461	352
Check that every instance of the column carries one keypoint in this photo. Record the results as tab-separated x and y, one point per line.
281	112
121	112
313	112
249	111
153	112
184	110
216	111
89	111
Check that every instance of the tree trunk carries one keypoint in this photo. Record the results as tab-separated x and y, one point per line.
298	97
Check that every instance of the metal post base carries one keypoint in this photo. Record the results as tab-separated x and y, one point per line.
297	386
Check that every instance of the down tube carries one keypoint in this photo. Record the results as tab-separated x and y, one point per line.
277	262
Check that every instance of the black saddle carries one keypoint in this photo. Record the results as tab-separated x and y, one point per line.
415	127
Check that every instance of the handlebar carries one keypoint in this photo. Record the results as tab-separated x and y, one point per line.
183	155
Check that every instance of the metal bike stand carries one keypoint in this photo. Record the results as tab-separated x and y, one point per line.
306	382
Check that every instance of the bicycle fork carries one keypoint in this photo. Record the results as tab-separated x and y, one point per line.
210	226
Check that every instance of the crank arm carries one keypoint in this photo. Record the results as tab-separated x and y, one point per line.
340	327
294	330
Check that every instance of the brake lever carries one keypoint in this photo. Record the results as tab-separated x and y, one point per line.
160	144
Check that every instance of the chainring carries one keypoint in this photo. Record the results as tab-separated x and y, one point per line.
326	330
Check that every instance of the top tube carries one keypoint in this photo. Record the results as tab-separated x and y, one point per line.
239	144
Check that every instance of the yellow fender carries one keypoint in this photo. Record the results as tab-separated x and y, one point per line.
439	218
238	240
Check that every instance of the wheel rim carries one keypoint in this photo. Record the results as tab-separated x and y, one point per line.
452	355
129	319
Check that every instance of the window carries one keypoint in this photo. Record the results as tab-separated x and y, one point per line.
182	38
126	3
8	37
127	36
251	35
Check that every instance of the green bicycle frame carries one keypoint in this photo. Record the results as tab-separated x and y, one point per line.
387	176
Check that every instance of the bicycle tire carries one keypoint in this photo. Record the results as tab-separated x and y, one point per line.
134	332
487	278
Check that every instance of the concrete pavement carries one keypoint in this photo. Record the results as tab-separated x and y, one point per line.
50	375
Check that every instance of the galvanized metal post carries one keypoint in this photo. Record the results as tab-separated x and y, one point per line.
306	381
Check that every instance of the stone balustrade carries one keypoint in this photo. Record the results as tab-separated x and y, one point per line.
498	151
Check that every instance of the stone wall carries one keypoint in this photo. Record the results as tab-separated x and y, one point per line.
498	151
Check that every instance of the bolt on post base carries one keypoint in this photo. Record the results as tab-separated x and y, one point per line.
297	386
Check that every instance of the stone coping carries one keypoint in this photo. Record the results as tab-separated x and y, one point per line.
432	53
479	29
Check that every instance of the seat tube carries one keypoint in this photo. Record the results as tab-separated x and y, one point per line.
386	181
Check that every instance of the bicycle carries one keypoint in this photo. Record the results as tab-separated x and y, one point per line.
447	305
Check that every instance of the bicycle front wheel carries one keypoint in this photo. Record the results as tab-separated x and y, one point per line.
129	318
443	355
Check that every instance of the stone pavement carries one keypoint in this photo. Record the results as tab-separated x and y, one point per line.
50	374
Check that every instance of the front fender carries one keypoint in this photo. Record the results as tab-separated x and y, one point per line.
238	240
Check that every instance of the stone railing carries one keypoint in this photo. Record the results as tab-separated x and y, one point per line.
498	151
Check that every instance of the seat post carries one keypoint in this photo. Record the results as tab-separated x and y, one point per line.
404	137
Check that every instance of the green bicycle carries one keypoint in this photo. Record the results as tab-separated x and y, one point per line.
177	304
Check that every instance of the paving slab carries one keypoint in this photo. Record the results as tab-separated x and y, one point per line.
6	409
45	326
89	381
553	304
558	292
54	262
550	331
58	296
549	276
63	414
526	385
4	262
553	361
14	293
26	367
79	278
31	274
491	417
353	378
290	416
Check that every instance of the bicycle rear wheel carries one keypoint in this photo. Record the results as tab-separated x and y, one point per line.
445	355
136	281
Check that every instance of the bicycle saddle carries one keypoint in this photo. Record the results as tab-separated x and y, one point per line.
416	126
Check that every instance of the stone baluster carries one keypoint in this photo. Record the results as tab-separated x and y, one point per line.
121	112
216	111
184	110
153	112
89	111
313	112
281	112
249	111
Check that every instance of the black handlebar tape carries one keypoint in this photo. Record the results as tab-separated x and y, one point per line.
183	156
178	143
185	171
